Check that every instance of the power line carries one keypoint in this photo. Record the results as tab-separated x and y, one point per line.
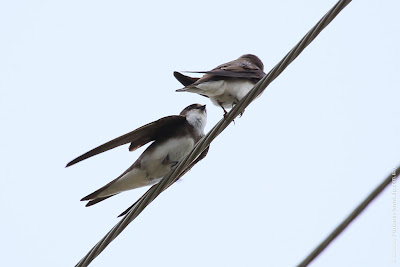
346	222
174	175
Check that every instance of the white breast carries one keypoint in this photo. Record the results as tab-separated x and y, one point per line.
175	149
238	88
152	168
211	88
226	92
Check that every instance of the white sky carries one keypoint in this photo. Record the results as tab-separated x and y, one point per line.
75	74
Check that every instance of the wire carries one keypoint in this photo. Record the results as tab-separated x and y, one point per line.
343	225
169	179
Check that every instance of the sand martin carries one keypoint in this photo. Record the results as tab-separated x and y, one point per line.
173	136
226	84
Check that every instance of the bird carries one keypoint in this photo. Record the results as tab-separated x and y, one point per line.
173	138
226	84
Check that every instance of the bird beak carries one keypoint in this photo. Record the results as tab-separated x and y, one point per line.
202	107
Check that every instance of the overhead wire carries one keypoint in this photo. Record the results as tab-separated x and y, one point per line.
351	217
174	175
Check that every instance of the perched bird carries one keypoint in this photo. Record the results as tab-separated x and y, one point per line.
226	84
173	136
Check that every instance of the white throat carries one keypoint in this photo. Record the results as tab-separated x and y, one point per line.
197	119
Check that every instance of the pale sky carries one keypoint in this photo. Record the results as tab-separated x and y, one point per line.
76	74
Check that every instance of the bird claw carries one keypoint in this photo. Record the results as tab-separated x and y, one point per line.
174	163
225	117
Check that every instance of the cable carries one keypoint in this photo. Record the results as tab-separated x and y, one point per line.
343	225
169	179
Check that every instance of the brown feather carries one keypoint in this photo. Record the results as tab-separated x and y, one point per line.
97	200
247	66
137	138
183	79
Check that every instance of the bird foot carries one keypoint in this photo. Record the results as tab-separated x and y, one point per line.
174	163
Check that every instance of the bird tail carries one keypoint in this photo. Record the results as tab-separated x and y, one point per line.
128	209
184	80
96	197
97	200
130	179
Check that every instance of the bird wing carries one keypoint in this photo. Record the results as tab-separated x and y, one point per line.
235	69
138	137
